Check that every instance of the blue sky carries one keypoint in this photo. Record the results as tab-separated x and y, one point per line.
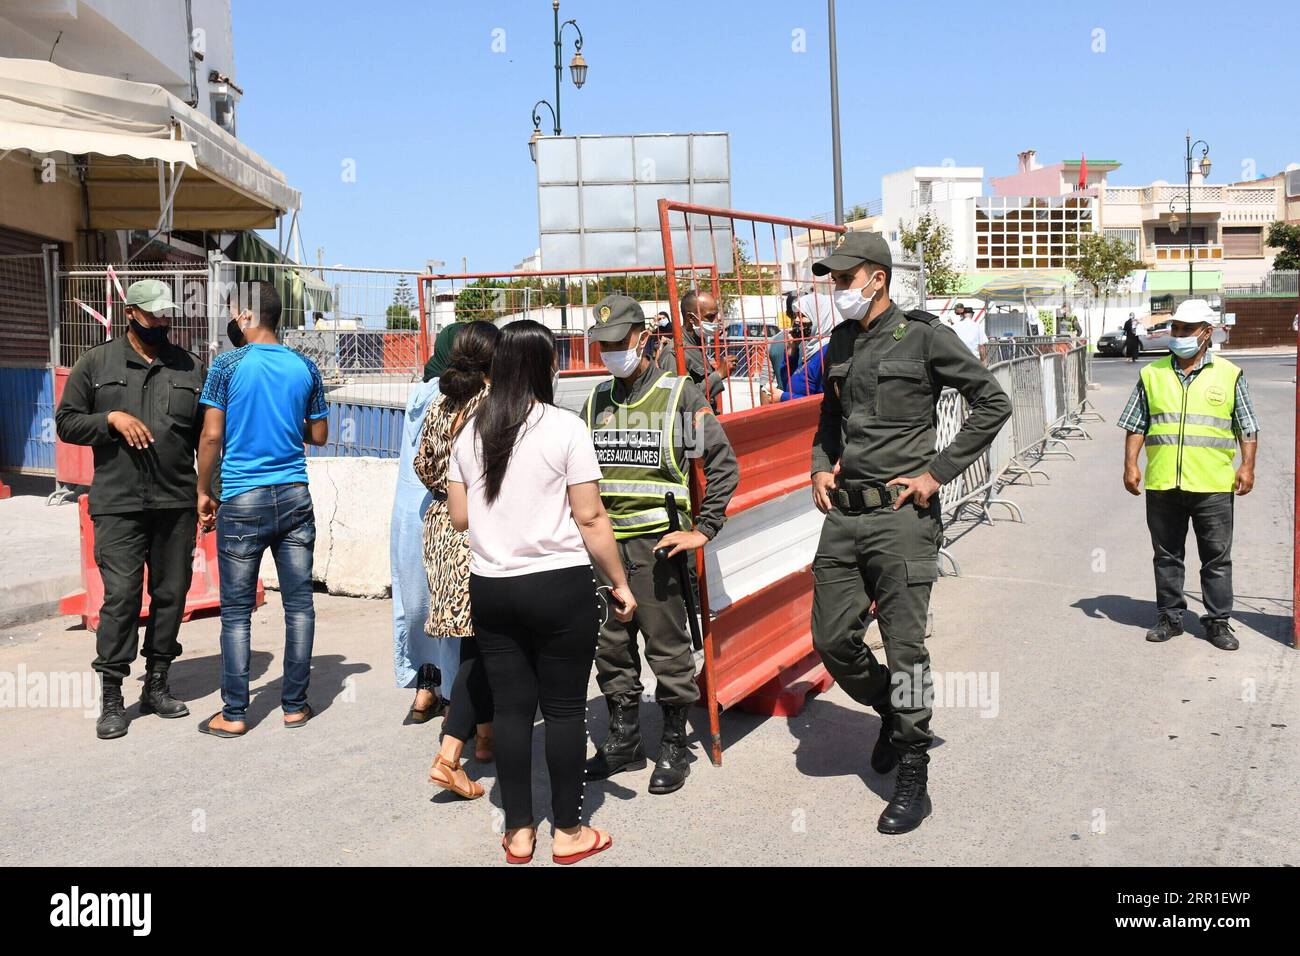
437	123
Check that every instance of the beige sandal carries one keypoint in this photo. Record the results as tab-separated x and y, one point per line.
472	790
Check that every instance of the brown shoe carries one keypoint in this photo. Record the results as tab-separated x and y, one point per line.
452	776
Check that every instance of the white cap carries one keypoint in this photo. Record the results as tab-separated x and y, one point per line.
1193	311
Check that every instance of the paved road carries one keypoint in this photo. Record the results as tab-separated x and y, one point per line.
1090	746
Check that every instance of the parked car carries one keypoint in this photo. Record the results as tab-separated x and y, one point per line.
751	329
1153	339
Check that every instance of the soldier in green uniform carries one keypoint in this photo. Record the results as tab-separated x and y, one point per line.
646	424
135	401
876	477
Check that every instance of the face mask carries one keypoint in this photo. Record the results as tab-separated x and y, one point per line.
622	364
153	335
708	328
1185	346
851	303
665	325
235	333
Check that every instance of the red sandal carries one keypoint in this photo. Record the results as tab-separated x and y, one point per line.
598	847
511	858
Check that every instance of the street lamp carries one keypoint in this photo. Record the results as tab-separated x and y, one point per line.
537	128
577	71
1190	167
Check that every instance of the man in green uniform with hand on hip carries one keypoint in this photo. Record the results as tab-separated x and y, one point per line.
876	477
646	424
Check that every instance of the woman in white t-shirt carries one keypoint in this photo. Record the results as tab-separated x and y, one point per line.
523	479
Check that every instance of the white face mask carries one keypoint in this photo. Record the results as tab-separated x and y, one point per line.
1185	346
851	303
622	364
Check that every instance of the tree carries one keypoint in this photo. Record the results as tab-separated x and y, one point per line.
478	299
401	314
1103	262
940	277
399	318
1285	237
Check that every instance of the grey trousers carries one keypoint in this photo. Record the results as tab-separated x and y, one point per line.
890	558
660	620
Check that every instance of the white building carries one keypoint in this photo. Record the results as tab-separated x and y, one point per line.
946	193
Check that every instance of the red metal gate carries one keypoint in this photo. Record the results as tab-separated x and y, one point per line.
758	645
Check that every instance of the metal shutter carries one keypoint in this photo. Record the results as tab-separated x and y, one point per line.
24	318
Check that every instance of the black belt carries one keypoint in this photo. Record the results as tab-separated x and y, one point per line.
856	497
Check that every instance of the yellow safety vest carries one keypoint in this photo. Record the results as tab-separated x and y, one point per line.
1190	442
634	446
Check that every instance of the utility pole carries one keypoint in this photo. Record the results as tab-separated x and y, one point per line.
835	118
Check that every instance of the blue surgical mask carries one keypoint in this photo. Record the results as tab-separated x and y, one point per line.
1185	346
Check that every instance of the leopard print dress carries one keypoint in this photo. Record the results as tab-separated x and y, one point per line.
446	550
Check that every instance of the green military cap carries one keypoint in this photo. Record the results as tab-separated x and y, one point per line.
614	316
151	295
853	249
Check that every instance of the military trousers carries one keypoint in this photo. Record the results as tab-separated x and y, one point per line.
660	620
161	541
889	558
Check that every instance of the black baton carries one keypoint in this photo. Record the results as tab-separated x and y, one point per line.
683	571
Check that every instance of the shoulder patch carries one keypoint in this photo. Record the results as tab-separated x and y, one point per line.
920	315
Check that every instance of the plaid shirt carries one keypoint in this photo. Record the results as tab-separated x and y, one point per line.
1136	417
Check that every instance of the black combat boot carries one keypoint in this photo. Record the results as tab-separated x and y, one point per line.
672	768
155	698
884	757
112	712
911	803
1219	633
622	749
1167	625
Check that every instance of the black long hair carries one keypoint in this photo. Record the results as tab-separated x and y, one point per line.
470	362
522	368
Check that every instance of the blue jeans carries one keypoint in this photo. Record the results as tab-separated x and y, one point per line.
278	517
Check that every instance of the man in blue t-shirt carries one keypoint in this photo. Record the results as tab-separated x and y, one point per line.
263	402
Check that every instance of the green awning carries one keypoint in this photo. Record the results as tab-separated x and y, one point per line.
301	291
1015	286
1203	280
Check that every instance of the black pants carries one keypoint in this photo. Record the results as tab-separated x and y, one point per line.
471	695
1211	516
125	544
537	634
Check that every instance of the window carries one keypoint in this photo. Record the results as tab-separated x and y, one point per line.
1243	242
1167	237
1029	232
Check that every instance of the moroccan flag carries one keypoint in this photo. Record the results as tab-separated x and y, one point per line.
1083	171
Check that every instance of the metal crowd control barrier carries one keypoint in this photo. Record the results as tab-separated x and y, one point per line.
1049	398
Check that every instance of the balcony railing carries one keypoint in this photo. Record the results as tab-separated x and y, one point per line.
1205	251
1258	196
859	210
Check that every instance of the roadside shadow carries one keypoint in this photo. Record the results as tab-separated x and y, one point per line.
1134	613
329	678
193	678
1119	608
836	741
